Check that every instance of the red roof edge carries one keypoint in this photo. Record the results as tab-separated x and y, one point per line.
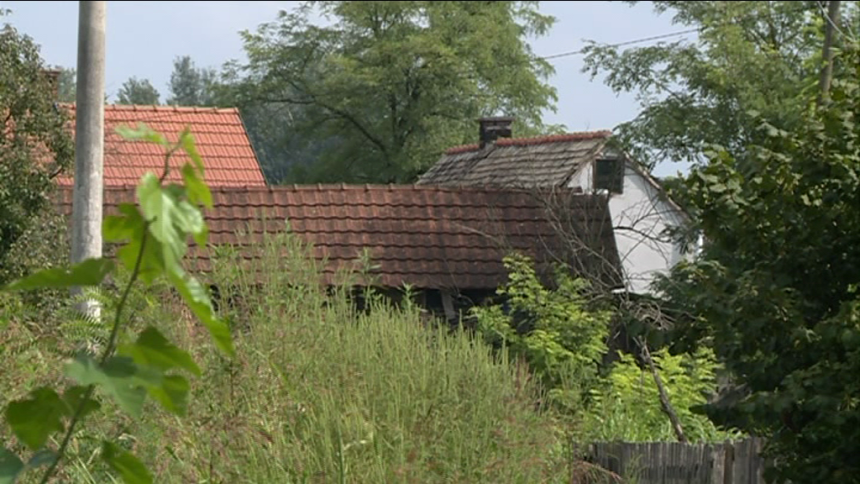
539	140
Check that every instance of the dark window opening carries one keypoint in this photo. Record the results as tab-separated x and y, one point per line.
609	175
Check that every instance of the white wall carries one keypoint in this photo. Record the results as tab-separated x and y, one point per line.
639	218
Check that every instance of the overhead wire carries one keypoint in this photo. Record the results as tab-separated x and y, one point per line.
659	37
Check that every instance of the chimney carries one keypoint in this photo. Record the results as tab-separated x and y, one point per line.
494	128
53	76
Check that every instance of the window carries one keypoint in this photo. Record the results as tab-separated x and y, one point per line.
609	175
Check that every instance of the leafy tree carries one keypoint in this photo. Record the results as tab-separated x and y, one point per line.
137	91
750	58
775	290
191	85
387	86
67	85
34	148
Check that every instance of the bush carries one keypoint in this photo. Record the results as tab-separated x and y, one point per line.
626	407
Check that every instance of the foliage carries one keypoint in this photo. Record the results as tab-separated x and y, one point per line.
155	232
67	85
749	57
562	340
775	289
137	91
319	390
385	87
33	151
191	85
626	407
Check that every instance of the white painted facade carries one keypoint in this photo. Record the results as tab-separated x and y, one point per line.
640	215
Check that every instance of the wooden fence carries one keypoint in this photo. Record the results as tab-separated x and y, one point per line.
735	462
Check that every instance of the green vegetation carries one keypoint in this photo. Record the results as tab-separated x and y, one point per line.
138	91
317	391
378	94
775	291
562	335
36	151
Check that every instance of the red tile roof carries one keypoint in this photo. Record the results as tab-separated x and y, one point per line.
220	135
428	237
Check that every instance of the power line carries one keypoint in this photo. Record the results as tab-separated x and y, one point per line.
621	44
658	37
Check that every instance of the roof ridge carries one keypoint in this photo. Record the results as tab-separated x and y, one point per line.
159	108
534	140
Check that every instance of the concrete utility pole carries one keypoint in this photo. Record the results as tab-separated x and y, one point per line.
89	140
831	23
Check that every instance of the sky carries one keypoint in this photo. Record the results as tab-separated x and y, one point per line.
143	38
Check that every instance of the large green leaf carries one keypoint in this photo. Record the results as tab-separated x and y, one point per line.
34	419
141	132
171	391
130	226
171	218
154	350
118	377
198	192
10	466
90	272
130	469
73	397
197	298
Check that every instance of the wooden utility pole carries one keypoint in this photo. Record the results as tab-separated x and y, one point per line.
830	26
89	140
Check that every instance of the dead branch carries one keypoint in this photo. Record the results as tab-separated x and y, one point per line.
665	404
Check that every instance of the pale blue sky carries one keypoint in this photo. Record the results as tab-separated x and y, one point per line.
144	37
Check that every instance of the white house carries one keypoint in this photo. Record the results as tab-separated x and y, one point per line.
640	209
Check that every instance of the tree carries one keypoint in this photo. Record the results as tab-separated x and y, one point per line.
67	85
34	148
384	89
138	91
190	85
750	58
775	289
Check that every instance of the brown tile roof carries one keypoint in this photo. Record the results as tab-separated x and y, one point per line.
428	237
544	161
219	134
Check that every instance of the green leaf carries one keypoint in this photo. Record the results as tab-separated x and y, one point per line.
170	217
186	139
125	464
90	272
10	466
172	392
42	458
131	227
117	377
154	350
198	191
198	300
143	133
34	419
73	396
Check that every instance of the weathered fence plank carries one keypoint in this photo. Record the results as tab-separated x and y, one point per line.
736	462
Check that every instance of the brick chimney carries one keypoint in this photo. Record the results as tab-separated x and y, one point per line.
494	128
53	76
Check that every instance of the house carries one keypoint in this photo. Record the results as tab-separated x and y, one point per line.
640	209
447	243
219	135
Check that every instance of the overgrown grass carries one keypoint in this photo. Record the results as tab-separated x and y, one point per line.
319	392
